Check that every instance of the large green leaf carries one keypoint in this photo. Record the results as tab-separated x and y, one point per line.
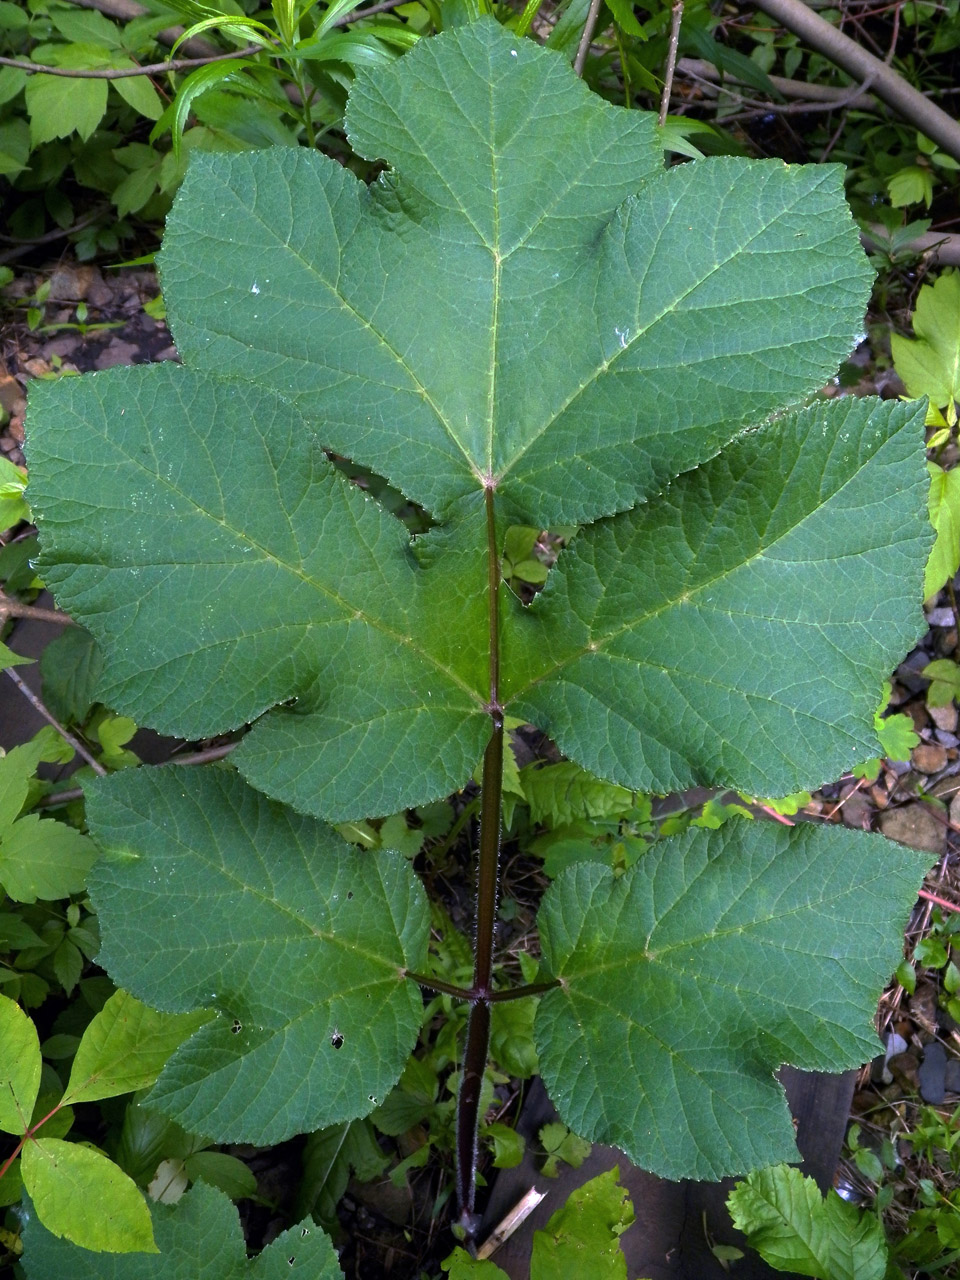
491	310
522	320
318	594
735	630
198	1239
688	981
217	898
235	568
497	314
589	1225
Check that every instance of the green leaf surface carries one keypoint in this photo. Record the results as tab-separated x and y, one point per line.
80	1195
60	105
589	1225
508	1145
43	858
11	1186
329	1157
19	765
70	667
688	981
304	280
561	794
944	507
560	1144
138	92
10	659
460	1266
217	898
198	1239
897	736
227	1173
67	963
13	505
85	27
214	603
688	642
125	1047
20	1067
795	1229
929	364
944	677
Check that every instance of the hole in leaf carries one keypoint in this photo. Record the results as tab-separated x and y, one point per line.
410	513
527	557
349	895
237	1027
336	1040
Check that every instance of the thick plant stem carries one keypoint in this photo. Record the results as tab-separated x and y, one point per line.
478	1027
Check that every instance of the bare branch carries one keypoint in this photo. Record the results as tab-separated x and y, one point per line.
50	718
124	73
16	609
700	69
677	18
592	14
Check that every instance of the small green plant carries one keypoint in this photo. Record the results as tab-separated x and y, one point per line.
515	325
110	134
589	1225
929	364
911	1178
795	1229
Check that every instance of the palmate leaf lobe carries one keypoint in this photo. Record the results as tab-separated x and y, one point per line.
213	897
719	957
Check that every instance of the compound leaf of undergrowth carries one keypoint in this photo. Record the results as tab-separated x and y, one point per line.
199	1239
929	363
523	321
944	505
39	858
795	1229
20	1067
64	1179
